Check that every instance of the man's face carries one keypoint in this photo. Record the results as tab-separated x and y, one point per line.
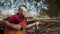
23	11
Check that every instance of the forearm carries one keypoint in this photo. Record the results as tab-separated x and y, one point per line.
10	25
30	25
6	24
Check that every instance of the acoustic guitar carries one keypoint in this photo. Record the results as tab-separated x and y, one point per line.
23	31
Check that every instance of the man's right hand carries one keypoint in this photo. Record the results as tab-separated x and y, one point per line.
17	27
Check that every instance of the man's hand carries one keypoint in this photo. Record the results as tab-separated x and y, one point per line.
37	23
17	27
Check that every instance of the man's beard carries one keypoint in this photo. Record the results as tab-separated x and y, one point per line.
21	16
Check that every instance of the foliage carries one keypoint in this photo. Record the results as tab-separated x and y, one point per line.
53	8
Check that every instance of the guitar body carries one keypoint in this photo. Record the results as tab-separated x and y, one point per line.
9	31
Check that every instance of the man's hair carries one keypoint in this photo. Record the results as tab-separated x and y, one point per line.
22	6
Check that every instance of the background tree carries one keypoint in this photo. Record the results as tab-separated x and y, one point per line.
53	8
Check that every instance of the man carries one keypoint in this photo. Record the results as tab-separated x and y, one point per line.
17	23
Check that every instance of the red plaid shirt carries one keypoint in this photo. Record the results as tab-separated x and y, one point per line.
16	19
